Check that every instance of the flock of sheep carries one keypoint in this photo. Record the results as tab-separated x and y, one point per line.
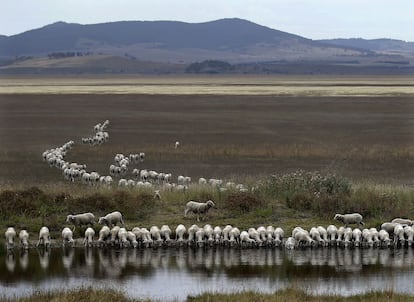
118	170
398	232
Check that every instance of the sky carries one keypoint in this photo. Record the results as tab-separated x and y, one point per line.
314	19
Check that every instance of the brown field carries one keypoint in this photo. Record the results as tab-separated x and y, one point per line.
366	138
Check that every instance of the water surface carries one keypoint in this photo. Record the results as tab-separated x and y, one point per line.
176	273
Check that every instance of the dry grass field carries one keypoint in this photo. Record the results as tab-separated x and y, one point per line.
366	137
241	137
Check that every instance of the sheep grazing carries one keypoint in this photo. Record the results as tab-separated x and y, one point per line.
104	235
403	221
132	238
179	233
67	236
177	145
357	236
111	219
157	195
191	233
279	234
44	237
290	243
81	219
89	234
122	238
384	238
10	234
245	239
331	230
354	218
24	239
198	208
156	234
166	233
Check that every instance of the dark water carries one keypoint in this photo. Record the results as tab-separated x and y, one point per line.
175	273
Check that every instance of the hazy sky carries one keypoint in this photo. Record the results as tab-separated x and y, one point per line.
315	19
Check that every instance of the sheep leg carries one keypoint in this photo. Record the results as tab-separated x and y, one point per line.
122	222
186	212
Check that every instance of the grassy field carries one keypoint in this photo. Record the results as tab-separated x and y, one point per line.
230	134
287	295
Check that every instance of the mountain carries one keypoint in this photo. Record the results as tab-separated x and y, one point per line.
377	45
234	40
172	46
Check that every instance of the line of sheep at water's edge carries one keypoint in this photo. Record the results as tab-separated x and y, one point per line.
397	233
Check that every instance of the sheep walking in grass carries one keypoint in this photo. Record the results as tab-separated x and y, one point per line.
354	218
403	221
81	219
198	208
111	219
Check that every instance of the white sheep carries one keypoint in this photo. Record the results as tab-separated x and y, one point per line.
279	234
409	234
347	236
200	237
191	233
104	235
202	181
402	221
157	195
399	234
132	238
254	234
301	236
357	236
389	227
332	230
315	235
89	234
234	236
81	219
138	235
146	237
354	218
226	232
67	237
44	237
114	235
367	237
179	233
10	234
384	237
290	243
177	144
262	233
198	208
340	235
324	234
375	236
165	232
269	234
218	233
245	239
111	219
122	238
155	234
208	233
24	239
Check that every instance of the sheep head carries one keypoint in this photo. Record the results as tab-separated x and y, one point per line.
210	203
338	217
69	218
103	220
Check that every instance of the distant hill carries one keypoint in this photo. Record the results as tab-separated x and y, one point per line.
172	46
377	45
233	40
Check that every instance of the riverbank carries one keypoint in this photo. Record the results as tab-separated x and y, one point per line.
290	294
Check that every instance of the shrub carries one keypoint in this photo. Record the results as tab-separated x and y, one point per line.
243	202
